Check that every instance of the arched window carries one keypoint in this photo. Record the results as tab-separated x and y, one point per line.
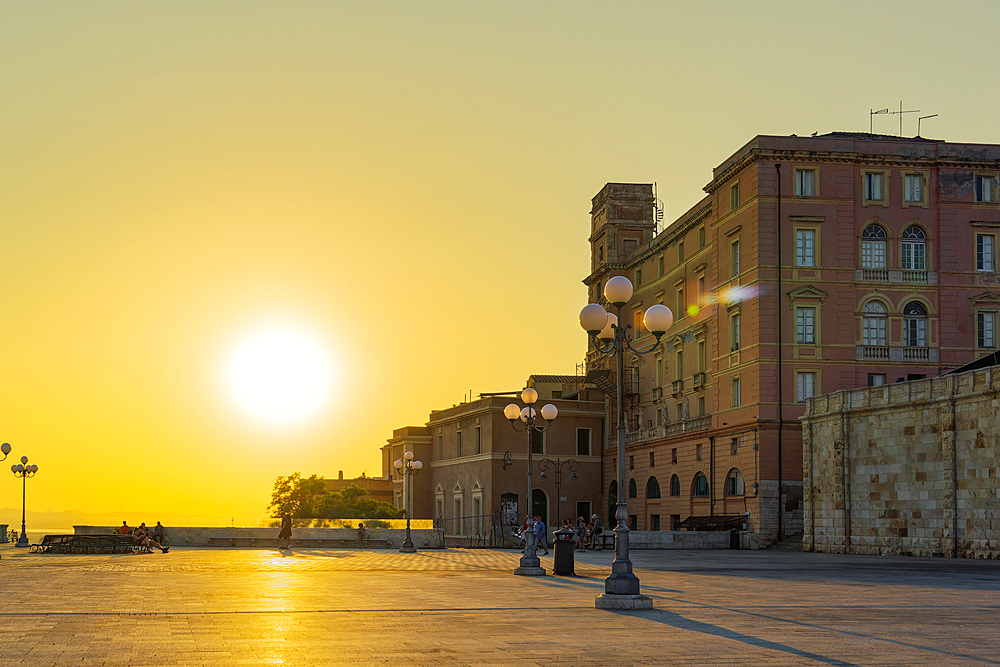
873	324
915	325
652	488
734	483
675	486
873	247
700	487
914	249
632	492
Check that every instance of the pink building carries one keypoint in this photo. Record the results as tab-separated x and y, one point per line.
882	270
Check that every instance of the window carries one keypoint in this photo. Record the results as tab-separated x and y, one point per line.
984	253
479	440
700	296
675	521
638	277
679	366
633	522
458	444
679	411
873	186
638	326
806	386
735	444
985	328
583	442
681	307
600	253
537	442
652	460
701	406
659	371
631	463
652	488
701	238
654	520
659	266
734	258
914	252
873	247
700	486
632	492
984	188
873	324
805	247
701	356
673	455
698	452
680	252
805	182
876	379
734	483
915	325
734	197
913	186
734	332
734	393
440	447
675	485
805	326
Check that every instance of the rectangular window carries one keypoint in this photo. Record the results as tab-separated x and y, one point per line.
806	386
914	255
873	187
699	452
659	371
631	462
458	444
734	197
701	238
681	305
734	258
680	364
913	185
915	332
440	447
679	411
638	327
701	406
479	440
734	332
701	356
700	296
876	379
673	455
659	266
734	443
805	247
985	330
680	252
873	331
805	326
638	277
734	393
805	182
652	460
655	520
872	254
984	253
537	442
984	188
583	442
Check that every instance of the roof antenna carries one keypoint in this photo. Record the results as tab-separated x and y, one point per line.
871	118
923	118
900	114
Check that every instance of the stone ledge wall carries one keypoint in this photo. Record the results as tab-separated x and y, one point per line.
194	536
908	468
687	539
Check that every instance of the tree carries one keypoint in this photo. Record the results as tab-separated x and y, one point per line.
309	499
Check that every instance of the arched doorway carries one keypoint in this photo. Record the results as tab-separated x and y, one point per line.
540	505
612	504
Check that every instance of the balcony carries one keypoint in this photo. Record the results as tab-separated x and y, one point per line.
689	425
916	354
698	380
677	387
897	354
913	276
896	276
872	275
874	352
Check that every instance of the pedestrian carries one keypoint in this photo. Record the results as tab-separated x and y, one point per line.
597	532
540	540
581	534
360	540
285	535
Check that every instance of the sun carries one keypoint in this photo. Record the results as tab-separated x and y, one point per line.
281	376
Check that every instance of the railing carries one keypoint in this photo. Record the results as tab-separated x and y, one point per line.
677	386
875	352
643	435
916	354
698	380
914	276
876	275
689	425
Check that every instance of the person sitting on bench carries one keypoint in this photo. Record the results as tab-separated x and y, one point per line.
139	538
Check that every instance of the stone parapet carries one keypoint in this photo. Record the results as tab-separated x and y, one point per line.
195	536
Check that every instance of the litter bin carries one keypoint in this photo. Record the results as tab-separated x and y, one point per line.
734	538
562	562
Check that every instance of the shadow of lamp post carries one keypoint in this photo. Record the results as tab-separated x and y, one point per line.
621	588
23	470
407	467
530	565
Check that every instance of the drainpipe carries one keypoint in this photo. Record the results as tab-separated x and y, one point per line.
781	393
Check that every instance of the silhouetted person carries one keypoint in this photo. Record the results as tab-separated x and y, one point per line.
285	536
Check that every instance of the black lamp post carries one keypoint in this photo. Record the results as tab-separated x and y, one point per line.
621	588
530	565
558	464
23	470
408	468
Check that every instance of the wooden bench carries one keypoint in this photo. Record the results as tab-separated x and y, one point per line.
85	544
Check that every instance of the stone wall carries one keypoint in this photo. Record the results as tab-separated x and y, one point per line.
687	539
194	536
908	468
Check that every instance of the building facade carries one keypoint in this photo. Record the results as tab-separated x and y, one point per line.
474	478
812	265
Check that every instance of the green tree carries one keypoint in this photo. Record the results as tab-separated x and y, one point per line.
308	499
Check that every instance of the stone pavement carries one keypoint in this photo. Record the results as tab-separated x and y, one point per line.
463	607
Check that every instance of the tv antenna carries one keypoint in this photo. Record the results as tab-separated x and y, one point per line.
871	118
923	118
900	114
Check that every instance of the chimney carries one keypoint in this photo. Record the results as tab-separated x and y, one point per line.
340	475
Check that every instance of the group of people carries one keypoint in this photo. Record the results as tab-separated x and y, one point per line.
141	538
586	534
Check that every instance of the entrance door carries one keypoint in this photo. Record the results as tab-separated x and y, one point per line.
540	505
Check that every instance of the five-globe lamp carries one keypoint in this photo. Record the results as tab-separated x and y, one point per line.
408	468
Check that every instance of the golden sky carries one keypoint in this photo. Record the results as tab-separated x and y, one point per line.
406	183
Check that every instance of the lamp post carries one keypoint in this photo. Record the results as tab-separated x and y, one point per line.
530	565
558	464
23	470
408	468
621	588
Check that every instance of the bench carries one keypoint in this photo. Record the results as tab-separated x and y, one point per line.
85	544
607	539
320	542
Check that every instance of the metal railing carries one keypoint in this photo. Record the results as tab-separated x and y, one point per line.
480	530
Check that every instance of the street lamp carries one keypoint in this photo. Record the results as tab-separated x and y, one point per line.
621	588
23	470
530	565
558	464
408	468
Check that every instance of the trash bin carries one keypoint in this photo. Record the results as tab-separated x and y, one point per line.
562	562
734	538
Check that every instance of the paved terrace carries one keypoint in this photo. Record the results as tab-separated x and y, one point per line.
463	607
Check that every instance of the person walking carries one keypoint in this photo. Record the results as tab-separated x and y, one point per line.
540	540
285	535
581	534
596	534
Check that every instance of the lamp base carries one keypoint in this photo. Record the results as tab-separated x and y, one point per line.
611	601
530	571
407	549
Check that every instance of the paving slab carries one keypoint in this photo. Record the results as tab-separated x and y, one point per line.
465	607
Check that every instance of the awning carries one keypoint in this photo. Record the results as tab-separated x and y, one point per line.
712	522
991	359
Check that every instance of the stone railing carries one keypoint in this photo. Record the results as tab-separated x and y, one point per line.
872	352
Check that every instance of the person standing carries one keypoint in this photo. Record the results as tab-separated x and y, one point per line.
596	533
285	536
540	540
360	540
